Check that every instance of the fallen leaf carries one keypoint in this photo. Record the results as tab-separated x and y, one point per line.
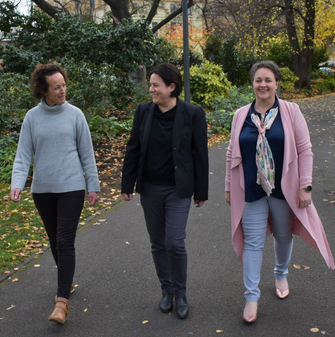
85	310
145	322
296	266
7	272
315	330
15	280
37	265
218	331
127	243
11	307
306	267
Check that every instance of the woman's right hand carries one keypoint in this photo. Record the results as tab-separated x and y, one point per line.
227	197
127	197
15	194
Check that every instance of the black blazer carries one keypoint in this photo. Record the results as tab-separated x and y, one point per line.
189	150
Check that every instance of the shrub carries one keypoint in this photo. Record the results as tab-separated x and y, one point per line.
108	128
207	82
8	146
221	117
327	85
288	78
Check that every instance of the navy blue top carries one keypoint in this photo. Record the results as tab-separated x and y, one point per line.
248	141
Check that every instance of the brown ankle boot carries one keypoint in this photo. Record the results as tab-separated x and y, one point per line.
61	310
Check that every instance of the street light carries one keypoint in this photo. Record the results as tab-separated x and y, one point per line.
186	53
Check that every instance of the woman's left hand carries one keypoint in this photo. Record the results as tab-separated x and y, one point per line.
304	198
92	198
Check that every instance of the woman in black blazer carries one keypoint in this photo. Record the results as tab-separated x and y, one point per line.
167	157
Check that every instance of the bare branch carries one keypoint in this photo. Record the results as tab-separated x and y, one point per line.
171	16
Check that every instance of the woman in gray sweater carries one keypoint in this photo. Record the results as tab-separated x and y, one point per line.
55	135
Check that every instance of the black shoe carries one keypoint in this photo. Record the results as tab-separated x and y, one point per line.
166	303
182	308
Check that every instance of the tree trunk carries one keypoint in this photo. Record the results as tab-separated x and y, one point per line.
47	8
306	57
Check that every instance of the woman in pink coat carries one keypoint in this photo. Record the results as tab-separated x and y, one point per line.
269	183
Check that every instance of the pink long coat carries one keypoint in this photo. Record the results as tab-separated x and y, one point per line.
297	174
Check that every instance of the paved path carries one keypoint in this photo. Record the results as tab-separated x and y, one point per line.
118	289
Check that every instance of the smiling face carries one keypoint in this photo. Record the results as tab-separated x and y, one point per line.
56	93
161	93
265	84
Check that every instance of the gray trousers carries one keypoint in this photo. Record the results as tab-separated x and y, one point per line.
166	217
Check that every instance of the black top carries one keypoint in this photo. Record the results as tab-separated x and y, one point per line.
158	169
248	141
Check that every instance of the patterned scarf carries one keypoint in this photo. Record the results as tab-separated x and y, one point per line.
264	159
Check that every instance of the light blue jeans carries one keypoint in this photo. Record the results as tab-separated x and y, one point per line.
254	222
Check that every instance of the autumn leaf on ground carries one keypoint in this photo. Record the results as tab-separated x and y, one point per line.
315	330
145	322
296	266
15	280
218	331
306	267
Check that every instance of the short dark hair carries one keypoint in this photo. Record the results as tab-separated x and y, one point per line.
169	74
38	80
265	64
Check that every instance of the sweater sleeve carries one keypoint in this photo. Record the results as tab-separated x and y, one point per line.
86	154
23	158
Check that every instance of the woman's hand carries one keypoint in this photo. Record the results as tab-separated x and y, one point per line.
227	197
15	194
198	203
304	198
127	197
92	198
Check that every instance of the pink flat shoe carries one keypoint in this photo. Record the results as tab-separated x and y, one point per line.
250	312
282	288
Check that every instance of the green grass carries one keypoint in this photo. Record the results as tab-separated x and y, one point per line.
21	230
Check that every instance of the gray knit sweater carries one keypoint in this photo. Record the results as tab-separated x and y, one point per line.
58	141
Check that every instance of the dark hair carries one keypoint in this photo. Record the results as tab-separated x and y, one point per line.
265	64
38	80
169	74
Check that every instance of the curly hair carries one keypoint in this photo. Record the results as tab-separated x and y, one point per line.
265	64
38	79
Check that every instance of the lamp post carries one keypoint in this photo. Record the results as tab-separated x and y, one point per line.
186	53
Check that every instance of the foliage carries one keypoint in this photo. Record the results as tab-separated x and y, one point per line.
324	25
7	155
327	85
288	78
9	17
280	52
235	64
207	82
15	94
108	128
221	117
213	47
320	55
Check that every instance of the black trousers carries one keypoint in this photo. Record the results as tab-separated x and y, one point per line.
166	217
60	213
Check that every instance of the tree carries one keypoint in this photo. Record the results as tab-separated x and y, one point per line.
255	22
119	10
